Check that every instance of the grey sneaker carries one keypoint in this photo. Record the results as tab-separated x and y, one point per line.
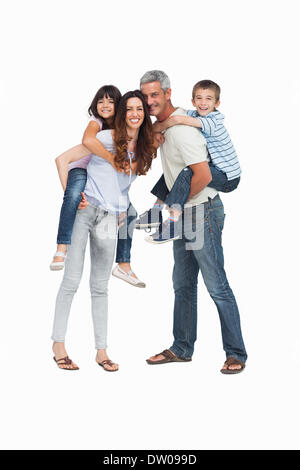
149	219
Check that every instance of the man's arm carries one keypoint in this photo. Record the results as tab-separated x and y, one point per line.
200	179
192	147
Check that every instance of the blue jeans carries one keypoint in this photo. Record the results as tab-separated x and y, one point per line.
72	197
181	188
125	235
205	220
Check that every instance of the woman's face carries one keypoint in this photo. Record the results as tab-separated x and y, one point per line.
106	107
134	113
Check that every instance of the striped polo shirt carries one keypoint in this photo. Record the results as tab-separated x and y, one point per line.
219	145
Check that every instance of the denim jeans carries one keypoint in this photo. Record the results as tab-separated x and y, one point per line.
101	227
207	218
72	197
125	236
181	188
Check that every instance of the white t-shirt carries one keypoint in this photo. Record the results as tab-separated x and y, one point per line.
184	146
84	161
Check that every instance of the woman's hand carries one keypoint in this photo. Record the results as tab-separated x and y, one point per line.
83	203
121	219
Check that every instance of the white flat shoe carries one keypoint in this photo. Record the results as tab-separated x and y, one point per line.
58	265
127	277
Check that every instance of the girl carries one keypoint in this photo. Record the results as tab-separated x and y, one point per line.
106	195
73	179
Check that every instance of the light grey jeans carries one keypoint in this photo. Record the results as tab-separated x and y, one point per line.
102	228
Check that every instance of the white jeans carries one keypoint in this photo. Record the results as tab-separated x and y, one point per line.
102	228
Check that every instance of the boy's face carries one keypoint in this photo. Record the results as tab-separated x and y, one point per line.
205	101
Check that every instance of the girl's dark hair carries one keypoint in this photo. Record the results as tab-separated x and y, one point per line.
107	91
145	151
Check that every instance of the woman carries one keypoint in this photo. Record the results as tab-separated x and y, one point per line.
106	196
73	175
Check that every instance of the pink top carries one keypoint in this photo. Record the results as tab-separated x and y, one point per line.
83	162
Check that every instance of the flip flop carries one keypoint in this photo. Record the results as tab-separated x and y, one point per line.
169	356
230	362
110	363
65	361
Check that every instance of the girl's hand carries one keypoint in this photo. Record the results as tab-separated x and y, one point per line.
158	139
83	203
159	127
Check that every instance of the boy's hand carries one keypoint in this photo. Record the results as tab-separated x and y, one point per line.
83	203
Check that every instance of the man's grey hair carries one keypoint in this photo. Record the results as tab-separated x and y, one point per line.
156	76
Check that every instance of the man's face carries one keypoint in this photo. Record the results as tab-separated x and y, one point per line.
205	101
155	97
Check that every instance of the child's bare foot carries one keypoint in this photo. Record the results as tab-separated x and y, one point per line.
61	357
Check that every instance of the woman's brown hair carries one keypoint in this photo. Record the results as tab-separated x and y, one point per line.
145	151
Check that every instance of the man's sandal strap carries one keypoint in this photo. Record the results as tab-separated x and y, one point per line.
233	361
168	354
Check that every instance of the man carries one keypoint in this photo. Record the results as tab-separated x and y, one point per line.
200	246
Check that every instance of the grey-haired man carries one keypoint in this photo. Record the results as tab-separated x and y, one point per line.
203	220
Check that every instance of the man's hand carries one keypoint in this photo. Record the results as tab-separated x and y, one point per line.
84	202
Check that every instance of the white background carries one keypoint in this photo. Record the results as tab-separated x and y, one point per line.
55	55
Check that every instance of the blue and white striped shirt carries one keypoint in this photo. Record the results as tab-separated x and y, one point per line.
219	145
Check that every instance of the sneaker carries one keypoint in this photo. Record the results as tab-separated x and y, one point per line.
149	219
168	232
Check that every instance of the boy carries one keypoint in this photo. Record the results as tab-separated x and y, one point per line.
224	165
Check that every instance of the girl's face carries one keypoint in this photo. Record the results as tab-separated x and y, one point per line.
135	113
106	107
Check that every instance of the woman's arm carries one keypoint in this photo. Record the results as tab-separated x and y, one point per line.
175	121
90	141
63	160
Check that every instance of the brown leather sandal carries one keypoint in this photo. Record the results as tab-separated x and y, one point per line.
169	356
230	362
65	361
107	362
